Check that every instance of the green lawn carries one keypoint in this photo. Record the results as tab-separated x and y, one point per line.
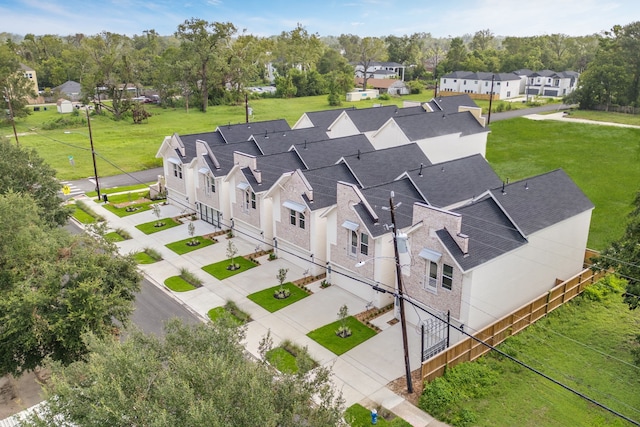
219	269
113	237
150	227
266	300
232	310
602	160
602	116
584	344
282	360
178	284
141	142
82	216
326	336
181	247
138	188
122	212
144	258
359	416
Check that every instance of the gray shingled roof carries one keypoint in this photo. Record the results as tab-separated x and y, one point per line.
371	119
272	167
405	194
431	125
380	166
541	201
279	142
446	183
329	151
224	154
451	104
324	119
324	183
242	132
491	234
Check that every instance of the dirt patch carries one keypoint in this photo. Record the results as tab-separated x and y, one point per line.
399	387
18	394
132	203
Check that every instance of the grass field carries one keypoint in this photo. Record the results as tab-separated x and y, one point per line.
585	344
112	139
602	160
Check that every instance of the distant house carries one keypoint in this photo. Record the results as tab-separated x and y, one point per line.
69	90
501	85
390	86
361	95
30	74
381	70
64	106
550	83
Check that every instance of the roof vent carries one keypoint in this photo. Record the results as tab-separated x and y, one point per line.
503	191
420	173
358	154
442	169
305	144
526	185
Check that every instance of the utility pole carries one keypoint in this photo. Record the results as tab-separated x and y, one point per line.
403	323
11	117
493	77
93	153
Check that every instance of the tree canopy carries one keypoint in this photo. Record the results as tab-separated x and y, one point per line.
623	256
197	376
23	171
55	287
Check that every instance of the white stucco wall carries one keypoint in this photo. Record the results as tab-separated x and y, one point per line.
508	282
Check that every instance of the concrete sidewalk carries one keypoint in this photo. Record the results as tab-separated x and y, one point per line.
564	117
361	374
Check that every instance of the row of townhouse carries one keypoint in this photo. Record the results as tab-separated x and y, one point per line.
319	193
511	85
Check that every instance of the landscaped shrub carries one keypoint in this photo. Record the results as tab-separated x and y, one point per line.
153	253
123	233
86	209
603	287
190	277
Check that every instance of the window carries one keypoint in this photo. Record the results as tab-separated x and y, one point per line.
464	82
364	244
455	80
301	220
447	276
431	276
444	80
210	184
249	200
354	243
292	217
177	171
507	83
486	84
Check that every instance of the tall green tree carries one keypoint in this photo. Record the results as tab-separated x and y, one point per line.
14	87
363	51
456	55
197	376
55	288
298	49
208	44
23	171
623	256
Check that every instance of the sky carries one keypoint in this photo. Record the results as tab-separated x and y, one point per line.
325	17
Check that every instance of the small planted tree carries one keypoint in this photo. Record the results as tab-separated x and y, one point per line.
192	230
343	331
232	251
157	212
282	292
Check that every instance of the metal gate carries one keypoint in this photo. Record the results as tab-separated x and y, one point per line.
435	334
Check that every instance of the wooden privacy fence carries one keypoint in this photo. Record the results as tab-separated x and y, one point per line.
470	349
